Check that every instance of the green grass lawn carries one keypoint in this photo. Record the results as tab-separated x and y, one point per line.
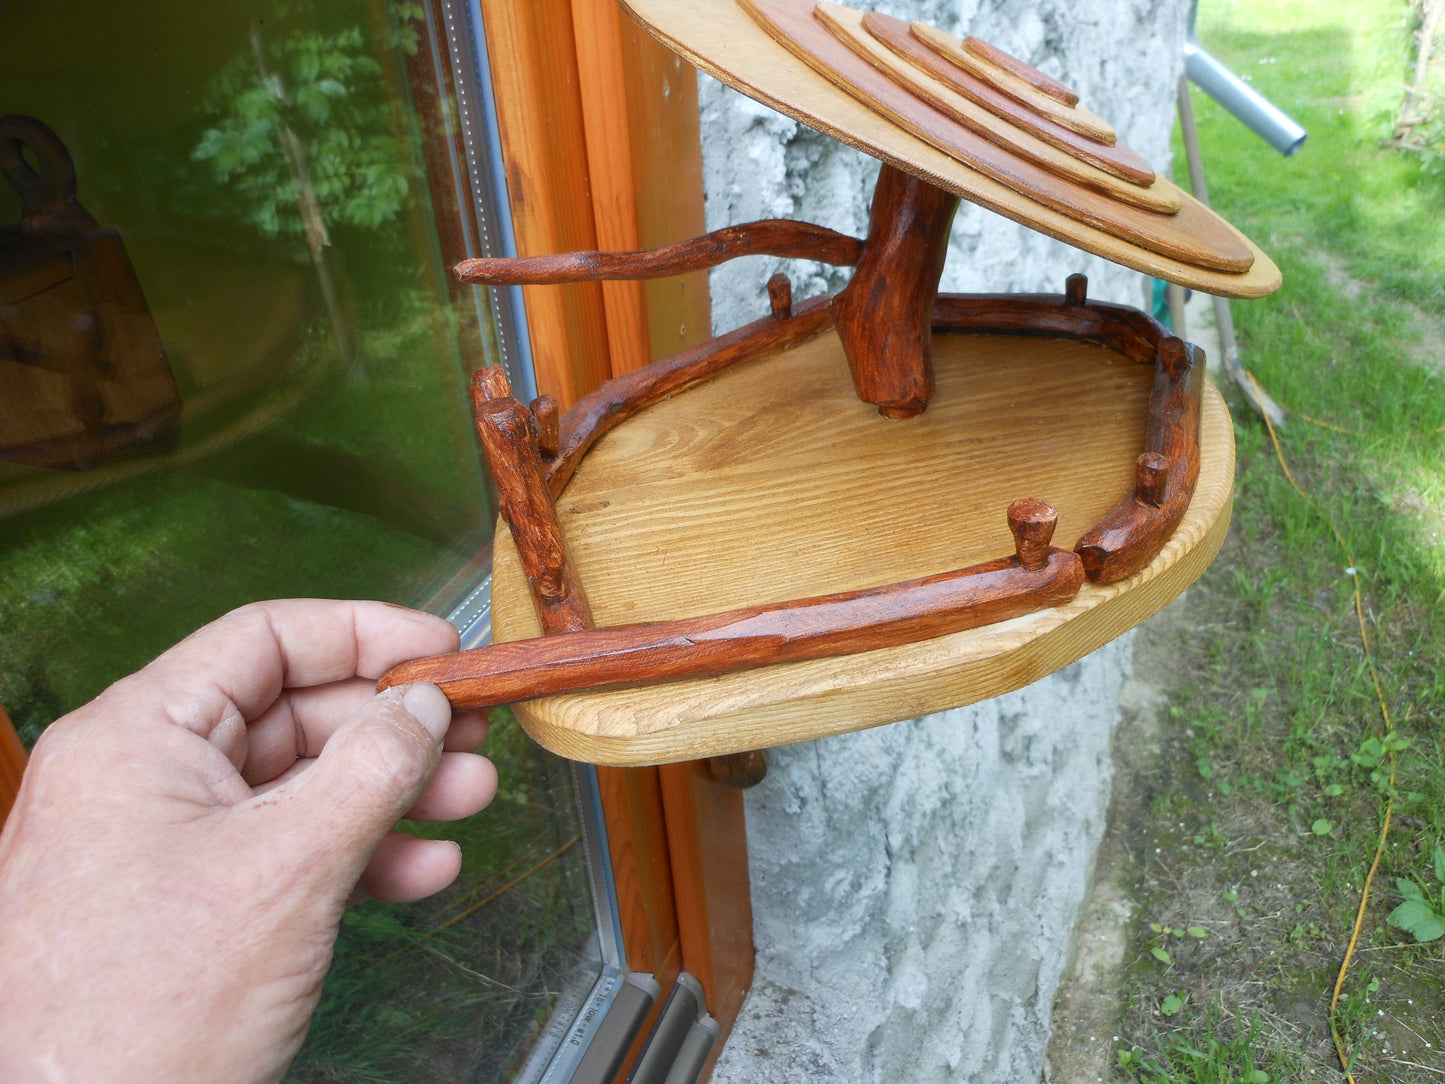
1284	764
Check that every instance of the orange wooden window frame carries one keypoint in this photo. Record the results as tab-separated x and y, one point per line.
12	765
600	140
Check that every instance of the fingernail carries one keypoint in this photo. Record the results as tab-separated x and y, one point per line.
428	705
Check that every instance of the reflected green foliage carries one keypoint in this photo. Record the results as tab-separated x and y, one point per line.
78	601
356	494
297	470
300	121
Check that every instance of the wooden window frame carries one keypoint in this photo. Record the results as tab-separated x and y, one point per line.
12	765
601	145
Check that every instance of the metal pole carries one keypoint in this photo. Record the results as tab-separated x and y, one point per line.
1262	116
1228	346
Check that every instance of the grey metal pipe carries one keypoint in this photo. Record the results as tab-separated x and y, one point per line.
1258	113
1256	396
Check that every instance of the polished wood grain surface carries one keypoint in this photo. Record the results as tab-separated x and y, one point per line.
780	296
598	30
504	427
741	770
810	628
1122	329
619	399
642	868
545	56
706	833
1116	158
549	422
772	482
680	513
1025	73
639	107
973	55
770	237
1011	132
883	316
1194	235
664	140
1032	523
724	41
548	183
1151	478
1127	538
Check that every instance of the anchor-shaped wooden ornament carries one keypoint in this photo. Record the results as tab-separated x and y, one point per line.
843	514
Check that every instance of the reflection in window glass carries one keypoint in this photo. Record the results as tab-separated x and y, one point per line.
232	366
459	987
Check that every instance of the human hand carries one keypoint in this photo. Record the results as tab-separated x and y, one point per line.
177	862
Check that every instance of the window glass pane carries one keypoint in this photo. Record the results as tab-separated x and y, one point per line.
459	987
233	366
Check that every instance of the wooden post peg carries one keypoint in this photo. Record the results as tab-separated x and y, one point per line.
780	296
741	770
1151	478
1032	522
1076	290
490	383
504	427
1172	354
549	426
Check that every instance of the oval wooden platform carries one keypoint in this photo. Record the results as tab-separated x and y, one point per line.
773	482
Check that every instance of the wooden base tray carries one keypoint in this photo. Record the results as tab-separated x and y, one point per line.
772	482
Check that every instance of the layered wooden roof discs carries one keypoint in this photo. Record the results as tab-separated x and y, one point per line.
785	53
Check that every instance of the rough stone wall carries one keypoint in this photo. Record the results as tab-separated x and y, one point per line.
915	886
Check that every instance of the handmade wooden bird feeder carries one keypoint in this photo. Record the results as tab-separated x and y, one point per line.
844	514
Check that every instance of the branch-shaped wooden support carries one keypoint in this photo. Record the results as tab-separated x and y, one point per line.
620	398
884	314
770	237
1135	530
838	624
572	657
948	119
506	430
1121	544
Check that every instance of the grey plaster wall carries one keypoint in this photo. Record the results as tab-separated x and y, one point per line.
915	886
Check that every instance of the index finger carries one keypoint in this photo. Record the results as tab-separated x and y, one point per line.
238	664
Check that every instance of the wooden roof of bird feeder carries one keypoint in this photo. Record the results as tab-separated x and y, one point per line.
844	514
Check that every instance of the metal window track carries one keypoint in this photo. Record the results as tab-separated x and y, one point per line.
681	1040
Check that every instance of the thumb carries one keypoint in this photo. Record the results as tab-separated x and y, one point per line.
370	772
